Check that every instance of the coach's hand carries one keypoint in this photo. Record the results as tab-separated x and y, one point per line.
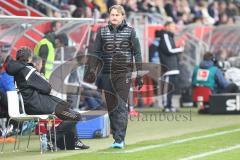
139	82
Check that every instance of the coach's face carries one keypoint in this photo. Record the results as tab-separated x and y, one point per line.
116	17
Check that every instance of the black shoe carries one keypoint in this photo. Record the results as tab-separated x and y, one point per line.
80	145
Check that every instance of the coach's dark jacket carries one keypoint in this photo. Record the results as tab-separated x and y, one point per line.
168	51
34	88
117	47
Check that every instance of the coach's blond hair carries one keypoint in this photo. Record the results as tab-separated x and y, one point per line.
119	8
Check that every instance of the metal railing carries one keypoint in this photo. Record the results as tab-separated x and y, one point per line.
140	21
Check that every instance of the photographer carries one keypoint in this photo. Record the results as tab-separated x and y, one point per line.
209	75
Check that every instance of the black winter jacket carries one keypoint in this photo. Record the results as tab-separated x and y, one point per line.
117	47
168	51
34	88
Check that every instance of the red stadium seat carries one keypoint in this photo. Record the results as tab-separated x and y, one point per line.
200	98
201	91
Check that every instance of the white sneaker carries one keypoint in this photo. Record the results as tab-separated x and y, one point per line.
167	110
173	110
7	131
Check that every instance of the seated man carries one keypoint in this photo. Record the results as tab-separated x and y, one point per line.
208	75
90	99
6	84
35	91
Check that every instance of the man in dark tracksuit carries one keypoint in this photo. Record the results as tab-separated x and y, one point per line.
116	44
168	54
35	91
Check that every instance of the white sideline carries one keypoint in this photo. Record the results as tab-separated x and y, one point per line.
176	142
211	152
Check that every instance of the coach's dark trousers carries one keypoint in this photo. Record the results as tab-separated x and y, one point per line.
116	88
